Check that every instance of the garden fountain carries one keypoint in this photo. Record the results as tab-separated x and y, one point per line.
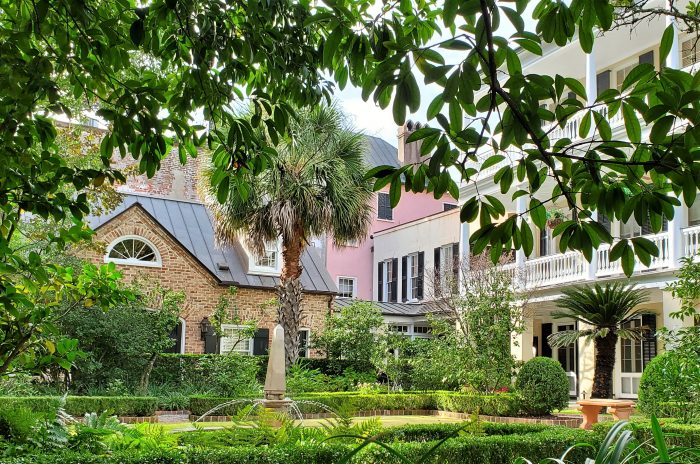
275	386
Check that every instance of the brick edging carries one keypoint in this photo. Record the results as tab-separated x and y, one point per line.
571	422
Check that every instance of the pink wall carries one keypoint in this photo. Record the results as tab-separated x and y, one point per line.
357	261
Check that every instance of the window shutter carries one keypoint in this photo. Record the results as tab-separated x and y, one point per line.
394	279
211	342
261	341
404	278
603	82
649	348
571	95
646	227
543	243
664	224
647	57
380	281
421	267
303	343
436	266
455	263
604	221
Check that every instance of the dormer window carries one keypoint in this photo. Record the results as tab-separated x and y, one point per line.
270	263
133	251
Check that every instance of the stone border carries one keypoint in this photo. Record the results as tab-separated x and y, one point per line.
565	421
138	420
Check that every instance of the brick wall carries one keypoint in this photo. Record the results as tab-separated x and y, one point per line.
172	180
180	271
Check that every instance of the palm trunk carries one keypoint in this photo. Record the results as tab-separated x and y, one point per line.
604	366
290	296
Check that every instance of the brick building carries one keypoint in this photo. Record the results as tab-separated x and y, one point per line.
161	231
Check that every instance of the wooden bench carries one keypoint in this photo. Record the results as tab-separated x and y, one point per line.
620	410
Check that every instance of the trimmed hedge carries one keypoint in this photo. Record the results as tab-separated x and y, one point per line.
176	369
502	404
79	405
534	443
676	433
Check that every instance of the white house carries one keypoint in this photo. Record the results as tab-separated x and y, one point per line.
548	271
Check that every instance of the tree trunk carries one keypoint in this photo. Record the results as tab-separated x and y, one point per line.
146	375
604	366
290	296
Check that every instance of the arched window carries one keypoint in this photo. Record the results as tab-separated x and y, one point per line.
133	250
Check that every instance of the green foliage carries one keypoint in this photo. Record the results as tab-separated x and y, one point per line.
80	405
17	423
670	387
543	386
351	333
687	287
502	404
471	347
605	311
124	343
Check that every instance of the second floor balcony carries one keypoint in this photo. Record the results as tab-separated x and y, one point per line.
572	267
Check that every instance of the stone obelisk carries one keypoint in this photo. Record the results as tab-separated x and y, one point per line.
275	383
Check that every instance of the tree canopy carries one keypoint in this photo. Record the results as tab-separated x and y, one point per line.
146	70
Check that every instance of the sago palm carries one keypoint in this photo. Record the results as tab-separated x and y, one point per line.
314	186
605	310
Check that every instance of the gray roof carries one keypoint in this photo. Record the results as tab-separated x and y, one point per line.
381	153
190	224
391	309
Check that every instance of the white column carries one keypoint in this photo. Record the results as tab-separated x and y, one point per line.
672	305
464	251
520	258
593	265
591	78
673	60
675	233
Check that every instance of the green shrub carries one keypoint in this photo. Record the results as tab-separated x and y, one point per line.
498	448
502	404
79	405
676	433
17	423
668	387
543	386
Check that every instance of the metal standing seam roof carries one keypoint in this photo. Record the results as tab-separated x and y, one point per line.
190	224
381	153
391	309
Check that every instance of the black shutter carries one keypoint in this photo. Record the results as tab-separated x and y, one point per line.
649	338
571	95
543	242
421	266
176	335
394	278
603	82
604	221
664	224
647	57
211	342
261	341
546	332
436	266
646	227
455	264
404	278
380	281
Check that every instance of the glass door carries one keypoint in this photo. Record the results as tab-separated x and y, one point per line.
631	363
566	355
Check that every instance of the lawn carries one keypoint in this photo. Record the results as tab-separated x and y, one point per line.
387	421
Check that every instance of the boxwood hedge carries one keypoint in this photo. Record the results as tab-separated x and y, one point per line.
79	405
502	404
515	440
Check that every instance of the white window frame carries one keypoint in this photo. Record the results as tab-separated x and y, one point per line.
393	328
246	352
307	350
387	282
354	287
132	261
255	268
411	278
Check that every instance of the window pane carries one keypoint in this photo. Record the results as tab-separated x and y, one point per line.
346	287
384	210
133	250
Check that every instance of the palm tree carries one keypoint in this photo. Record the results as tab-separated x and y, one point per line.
605	311
314	186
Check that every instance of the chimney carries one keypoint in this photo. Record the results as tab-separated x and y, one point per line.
409	153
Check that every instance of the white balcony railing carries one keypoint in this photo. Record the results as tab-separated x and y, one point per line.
555	269
691	241
608	268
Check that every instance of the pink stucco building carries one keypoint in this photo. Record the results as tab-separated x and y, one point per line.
351	266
